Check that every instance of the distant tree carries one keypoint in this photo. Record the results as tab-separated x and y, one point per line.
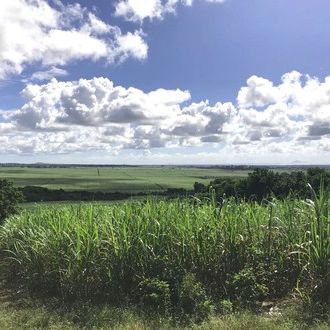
227	186
199	187
316	171
264	183
9	199
315	175
260	183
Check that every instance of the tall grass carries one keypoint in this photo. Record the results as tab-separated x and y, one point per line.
104	251
319	232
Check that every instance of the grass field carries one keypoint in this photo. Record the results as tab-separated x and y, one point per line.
113	179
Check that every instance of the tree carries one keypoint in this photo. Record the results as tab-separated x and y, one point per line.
260	183
9	199
317	175
199	187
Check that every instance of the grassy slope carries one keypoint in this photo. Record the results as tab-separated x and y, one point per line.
123	179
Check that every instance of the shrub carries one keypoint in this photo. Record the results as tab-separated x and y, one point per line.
193	300
316	299
321	290
225	307
154	295
246	287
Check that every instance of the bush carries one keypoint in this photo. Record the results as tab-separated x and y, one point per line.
193	300
246	287
9	199
316	299
321	291
155	295
225	307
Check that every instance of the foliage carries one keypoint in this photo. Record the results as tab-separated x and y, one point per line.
263	183
9	199
193	299
225	307
237	250
154	295
40	194
246	287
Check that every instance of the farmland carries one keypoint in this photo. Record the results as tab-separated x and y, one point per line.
164	262
114	179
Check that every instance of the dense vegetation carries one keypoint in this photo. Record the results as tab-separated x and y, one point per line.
233	244
40	194
180	258
264	183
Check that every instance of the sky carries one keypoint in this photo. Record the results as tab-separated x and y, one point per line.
165	81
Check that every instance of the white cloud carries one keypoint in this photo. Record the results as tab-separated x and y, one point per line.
53	34
115	116
289	119
138	10
33	32
201	120
47	75
259	92
130	45
94	102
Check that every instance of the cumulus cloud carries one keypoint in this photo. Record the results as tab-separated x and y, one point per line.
34	32
258	92
291	117
201	119
288	118
137	10
94	102
51	34
113	116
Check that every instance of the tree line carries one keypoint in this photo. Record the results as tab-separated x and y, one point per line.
264	183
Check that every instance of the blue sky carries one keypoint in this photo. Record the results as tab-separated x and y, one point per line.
200	81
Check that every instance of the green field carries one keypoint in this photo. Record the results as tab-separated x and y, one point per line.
177	260
163	263
114	179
